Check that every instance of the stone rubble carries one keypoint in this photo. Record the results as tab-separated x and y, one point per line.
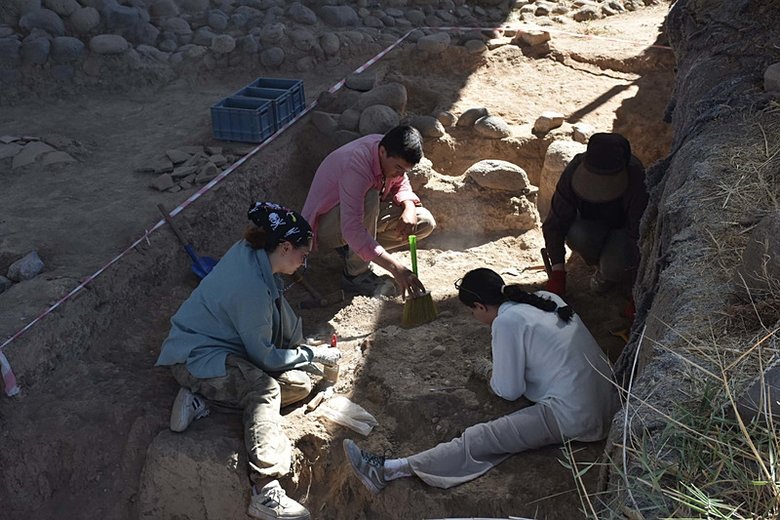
186	167
28	151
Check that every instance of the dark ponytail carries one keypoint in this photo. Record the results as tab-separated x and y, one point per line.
516	294
486	286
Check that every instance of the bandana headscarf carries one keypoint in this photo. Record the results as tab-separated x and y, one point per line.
281	224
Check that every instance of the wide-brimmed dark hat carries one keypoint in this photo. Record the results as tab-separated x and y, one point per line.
602	175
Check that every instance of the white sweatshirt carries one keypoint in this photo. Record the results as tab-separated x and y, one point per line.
537	354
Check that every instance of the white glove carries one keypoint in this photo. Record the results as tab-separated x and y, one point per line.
326	355
482	369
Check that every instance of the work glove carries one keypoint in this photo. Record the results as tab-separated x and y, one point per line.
630	310
482	369
557	283
326	355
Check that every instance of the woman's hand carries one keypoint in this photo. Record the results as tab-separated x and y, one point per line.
482	369
326	355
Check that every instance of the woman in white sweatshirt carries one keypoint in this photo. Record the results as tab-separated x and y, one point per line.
541	350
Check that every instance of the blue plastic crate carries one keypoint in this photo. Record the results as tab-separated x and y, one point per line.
288	97
241	118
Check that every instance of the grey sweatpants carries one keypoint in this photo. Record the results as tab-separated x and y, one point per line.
380	220
485	445
260	396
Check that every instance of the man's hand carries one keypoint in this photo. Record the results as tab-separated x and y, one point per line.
408	283
326	355
407	225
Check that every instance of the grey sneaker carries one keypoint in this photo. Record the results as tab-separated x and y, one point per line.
186	408
272	503
369	467
369	284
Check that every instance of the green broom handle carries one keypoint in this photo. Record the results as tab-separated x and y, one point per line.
413	251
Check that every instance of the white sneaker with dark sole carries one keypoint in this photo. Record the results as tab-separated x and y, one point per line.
272	503
186	408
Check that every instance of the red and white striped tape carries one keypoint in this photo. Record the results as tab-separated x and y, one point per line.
11	388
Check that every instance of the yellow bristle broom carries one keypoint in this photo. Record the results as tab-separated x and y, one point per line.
421	308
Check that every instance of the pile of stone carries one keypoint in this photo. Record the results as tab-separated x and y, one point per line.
186	167
364	108
95	41
46	151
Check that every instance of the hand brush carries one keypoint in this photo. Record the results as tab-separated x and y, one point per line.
418	309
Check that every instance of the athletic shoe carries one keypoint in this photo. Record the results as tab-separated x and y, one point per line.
369	467
272	503
369	284
186	408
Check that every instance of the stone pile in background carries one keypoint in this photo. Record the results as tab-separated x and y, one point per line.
186	167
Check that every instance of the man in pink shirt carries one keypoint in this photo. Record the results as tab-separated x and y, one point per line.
361	198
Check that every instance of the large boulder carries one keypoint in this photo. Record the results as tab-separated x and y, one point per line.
558	155
390	94
494	174
378	119
84	20
44	19
339	15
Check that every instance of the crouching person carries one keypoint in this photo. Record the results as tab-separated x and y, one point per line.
541	350
237	343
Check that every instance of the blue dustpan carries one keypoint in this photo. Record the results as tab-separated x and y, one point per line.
201	265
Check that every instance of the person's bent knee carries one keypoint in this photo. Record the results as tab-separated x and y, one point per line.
295	386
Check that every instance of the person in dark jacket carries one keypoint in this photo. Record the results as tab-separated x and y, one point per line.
595	210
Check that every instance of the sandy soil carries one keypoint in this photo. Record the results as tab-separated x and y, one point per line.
75	442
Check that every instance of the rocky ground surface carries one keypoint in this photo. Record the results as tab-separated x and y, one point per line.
89	429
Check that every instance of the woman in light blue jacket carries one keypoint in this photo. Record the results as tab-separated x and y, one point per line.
237	342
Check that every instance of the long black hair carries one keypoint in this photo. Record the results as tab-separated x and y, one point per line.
486	286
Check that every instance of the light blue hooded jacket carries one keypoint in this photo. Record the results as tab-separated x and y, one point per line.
237	309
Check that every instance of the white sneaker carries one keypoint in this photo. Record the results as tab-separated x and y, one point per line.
186	408
272	503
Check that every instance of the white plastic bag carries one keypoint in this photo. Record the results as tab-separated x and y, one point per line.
342	411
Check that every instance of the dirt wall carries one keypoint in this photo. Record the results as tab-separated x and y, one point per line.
702	204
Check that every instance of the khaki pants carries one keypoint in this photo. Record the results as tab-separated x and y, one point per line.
486	445
380	219
260	396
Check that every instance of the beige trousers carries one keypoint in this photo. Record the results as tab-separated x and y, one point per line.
380	219
260	396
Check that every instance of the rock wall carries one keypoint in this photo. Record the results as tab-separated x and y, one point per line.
51	46
718	181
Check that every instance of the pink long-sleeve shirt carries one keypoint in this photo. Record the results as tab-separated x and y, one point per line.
344	178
